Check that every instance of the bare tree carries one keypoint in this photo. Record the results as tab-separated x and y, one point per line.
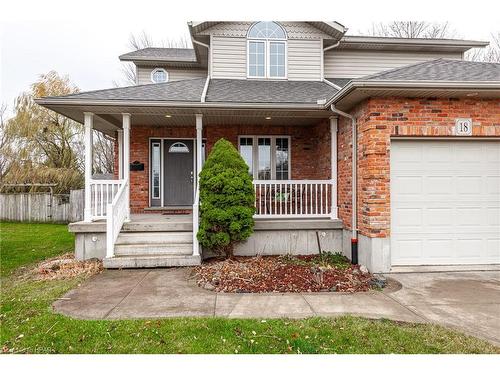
145	40
5	143
488	54
412	29
103	153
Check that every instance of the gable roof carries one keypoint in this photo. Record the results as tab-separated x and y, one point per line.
161	54
440	70
331	28
437	78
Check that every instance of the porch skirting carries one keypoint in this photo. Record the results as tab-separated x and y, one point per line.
271	237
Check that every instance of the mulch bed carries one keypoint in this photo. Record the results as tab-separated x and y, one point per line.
64	267
281	274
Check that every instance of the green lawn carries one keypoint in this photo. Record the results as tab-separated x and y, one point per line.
23	244
28	324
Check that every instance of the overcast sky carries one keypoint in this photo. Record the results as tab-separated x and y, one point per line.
84	38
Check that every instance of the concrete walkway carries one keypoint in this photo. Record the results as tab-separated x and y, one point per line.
469	301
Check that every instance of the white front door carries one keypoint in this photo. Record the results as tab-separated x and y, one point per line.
445	202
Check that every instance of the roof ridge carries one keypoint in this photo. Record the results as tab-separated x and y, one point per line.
381	74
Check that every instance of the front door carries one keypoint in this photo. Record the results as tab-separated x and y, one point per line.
178	172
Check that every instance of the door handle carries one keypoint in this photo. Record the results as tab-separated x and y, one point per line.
192	177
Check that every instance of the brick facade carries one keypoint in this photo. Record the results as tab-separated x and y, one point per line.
379	119
309	154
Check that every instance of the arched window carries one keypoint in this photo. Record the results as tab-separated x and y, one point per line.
266	50
178	147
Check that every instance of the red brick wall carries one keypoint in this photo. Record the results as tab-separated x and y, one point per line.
310	150
379	119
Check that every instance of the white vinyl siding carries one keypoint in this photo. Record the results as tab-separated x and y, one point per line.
144	74
229	57
354	63
304	59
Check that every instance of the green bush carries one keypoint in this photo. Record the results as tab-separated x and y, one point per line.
226	200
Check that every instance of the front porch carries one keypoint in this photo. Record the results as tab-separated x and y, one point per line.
292	157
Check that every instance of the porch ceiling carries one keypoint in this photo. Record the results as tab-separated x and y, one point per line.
108	119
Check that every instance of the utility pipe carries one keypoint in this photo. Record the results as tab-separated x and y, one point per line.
354	209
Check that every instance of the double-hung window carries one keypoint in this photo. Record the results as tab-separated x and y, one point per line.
267	157
266	51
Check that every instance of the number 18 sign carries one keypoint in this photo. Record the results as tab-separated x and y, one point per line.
463	126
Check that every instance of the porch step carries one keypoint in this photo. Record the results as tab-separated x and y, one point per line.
148	261
154	249
159	226
158	238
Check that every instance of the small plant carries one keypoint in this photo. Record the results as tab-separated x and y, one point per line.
227	200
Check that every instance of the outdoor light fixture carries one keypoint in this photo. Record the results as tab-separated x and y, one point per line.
168	116
268	118
472	94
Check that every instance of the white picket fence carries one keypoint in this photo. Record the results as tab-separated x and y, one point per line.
42	207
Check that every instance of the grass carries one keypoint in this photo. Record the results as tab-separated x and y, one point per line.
28	324
22	244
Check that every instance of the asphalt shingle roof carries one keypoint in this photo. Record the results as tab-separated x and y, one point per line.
161	54
219	90
188	91
341	82
249	91
441	70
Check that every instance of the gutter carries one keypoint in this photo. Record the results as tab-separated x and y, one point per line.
354	208
138	103
205	89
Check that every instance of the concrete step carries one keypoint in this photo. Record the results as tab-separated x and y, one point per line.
152	261
129	238
159	226
154	249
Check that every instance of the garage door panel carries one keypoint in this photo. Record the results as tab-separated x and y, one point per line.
445	202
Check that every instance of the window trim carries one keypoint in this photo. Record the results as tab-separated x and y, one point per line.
267	58
255	154
157	70
267	53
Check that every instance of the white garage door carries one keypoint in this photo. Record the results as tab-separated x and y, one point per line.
445	202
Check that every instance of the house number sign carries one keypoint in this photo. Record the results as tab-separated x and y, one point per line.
463	126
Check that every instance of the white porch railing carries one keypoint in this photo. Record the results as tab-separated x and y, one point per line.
115	217
293	198
102	192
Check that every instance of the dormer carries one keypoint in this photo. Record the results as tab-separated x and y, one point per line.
266	50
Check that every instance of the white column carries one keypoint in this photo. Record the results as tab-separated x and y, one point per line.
126	159
89	125
119	137
199	140
333	164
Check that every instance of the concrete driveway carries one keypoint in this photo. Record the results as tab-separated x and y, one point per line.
469	301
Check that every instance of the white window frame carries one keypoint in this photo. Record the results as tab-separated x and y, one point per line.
267	58
157	70
255	154
267	54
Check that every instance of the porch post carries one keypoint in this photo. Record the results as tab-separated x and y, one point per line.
196	205
120	153
199	141
89	125
126	160
333	164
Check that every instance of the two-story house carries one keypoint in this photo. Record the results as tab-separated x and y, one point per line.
386	149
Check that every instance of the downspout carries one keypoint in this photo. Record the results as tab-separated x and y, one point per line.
354	209
209	62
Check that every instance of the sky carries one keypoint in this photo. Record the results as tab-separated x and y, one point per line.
83	39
